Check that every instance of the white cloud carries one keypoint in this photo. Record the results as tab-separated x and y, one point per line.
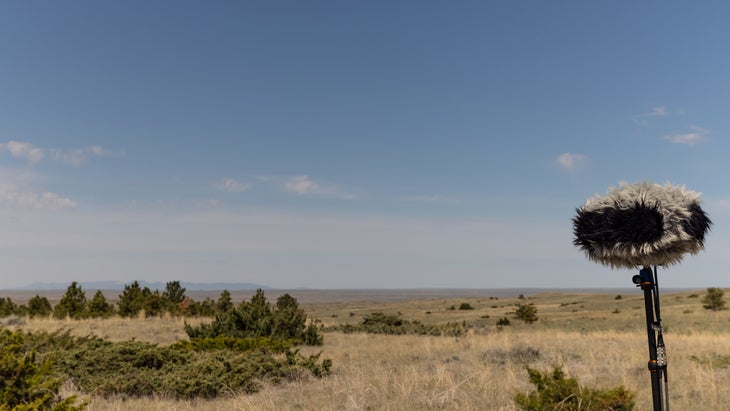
231	185
659	111
33	154
303	185
16	192
695	136
78	156
570	161
26	151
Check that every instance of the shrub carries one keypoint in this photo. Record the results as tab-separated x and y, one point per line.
224	303
526	313
553	391
72	304
466	306
503	322
618	297
26	383
7	307
205	308
173	296
713	299
200	368
257	318
380	323
39	307
132	299
185	370
154	303
99	307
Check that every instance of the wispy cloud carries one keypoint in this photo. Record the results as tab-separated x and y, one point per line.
695	136
305	186
78	156
16	192
230	185
659	111
23	150
302	185
570	161
33	155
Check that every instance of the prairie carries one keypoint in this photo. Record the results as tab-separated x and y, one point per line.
599	338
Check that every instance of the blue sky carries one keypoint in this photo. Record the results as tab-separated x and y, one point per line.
333	144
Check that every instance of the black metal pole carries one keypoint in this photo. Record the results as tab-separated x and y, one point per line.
645	280
661	349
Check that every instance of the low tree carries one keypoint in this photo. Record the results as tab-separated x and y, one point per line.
7	307
713	299
99	307
72	304
205	308
131	301
173	296
154	303
284	321
224	303
39	307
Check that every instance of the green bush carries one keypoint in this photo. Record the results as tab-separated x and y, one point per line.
132	299
526	313
205	308
154	303
72	304
257	318
39	307
553	391
713	299
7	307
173	296
465	306
27	384
224	303
99	307
202	369
380	323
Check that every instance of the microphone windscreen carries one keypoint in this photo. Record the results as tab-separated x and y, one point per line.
641	224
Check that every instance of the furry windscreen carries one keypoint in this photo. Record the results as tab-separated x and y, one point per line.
641	224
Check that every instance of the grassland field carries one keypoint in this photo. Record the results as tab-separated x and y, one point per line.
598	337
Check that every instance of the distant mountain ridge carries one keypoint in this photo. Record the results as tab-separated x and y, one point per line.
156	285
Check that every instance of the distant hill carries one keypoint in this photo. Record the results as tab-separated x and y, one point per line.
158	285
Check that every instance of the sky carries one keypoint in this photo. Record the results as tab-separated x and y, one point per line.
343	144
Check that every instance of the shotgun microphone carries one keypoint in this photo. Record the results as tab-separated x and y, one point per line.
642	224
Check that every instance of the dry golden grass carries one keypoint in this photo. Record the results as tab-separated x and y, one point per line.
599	340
